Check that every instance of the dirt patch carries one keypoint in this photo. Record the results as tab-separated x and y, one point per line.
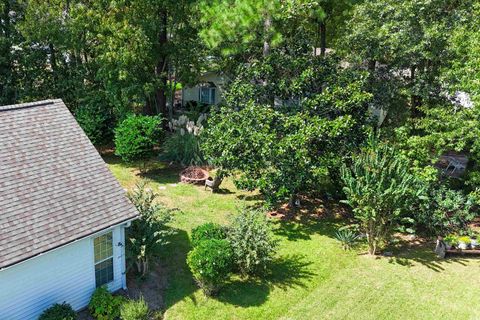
311	207
152	288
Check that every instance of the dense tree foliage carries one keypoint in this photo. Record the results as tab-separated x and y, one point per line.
290	134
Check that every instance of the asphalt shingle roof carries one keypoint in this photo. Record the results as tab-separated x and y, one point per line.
54	186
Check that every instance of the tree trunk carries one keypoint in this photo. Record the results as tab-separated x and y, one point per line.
323	38
267	26
415	100
53	64
160	71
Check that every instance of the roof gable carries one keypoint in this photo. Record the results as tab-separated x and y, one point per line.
54	186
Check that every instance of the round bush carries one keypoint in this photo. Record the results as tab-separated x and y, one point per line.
208	231
136	137
134	310
211	264
59	312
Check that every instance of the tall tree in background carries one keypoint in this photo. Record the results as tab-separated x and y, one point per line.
406	42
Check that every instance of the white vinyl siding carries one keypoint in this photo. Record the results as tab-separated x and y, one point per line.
66	274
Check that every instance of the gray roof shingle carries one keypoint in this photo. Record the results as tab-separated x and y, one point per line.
54	186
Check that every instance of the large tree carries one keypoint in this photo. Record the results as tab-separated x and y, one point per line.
289	135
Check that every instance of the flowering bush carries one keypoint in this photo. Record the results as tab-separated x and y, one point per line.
183	146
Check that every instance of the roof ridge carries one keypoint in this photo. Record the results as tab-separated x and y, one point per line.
18	106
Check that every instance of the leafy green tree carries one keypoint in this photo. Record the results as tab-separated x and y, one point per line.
136	137
149	232
379	188
406	43
289	135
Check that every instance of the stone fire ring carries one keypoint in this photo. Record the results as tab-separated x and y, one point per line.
194	175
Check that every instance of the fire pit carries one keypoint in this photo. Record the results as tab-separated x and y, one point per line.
194	175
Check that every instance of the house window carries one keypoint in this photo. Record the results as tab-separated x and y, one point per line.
207	95
103	251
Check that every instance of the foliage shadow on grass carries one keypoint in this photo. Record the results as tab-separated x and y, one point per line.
425	255
303	228
286	272
166	175
179	279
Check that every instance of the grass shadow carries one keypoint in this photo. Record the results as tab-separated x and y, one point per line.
165	175
304	227
408	255
286	272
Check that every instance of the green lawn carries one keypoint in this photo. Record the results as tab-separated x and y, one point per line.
312	277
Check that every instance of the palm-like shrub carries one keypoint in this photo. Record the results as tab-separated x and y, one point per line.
379	188
211	264
252	242
149	232
347	238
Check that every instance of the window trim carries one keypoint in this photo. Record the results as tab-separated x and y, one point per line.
95	263
211	94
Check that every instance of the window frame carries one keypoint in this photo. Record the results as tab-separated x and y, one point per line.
110	257
211	94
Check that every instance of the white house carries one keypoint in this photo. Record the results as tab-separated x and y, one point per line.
208	90
62	213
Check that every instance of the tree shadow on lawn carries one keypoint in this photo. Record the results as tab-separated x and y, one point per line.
165	175
407	255
304	227
286	272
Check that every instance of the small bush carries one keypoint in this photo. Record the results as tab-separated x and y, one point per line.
134	310
251	239
104	306
59	312
445	211
207	231
347	238
211	264
136	137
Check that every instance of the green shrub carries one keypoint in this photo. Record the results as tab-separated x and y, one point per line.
59	312
136	137
96	120
104	306
134	310
207	231
347	238
251	239
211	264
444	211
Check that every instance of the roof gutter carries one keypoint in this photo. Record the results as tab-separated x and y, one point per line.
126	222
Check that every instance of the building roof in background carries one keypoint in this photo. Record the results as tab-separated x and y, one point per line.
54	186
